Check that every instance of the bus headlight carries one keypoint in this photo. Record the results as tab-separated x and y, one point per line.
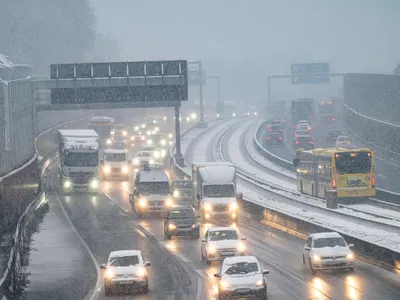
94	184
234	206
142	202
207	207
67	184
107	169
176	194
125	169
241	247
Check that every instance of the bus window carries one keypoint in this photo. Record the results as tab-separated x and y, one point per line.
353	163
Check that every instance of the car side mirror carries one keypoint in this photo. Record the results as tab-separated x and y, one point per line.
265	272
217	275
307	248
103	267
296	162
204	240
351	245
243	238
147	264
239	196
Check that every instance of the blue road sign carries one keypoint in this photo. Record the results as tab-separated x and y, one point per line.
310	79
310	68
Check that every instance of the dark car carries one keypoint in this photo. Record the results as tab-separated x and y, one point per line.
181	221
275	128
274	138
333	135
119	142
304	142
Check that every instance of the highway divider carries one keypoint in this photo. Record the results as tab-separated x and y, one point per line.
367	252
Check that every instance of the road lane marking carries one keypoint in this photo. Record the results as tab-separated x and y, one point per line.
95	292
113	201
383	176
172	249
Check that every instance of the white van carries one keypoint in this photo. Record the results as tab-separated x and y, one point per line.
115	164
151	193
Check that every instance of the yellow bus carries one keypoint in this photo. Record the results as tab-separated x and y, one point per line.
348	172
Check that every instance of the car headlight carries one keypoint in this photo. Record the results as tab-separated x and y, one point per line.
350	255
67	184
241	247
171	226
125	169
255	114
124	132
94	184
136	128
107	169
157	154
316	258
156	129
211	249
260	283
165	118
149	142
151	161
136	161
224	285
163	142
142	137
143	203
170	135
170	143
233	115
109	274
140	273
109	142
208	207
217	115
143	126
168	203
176	194
234	206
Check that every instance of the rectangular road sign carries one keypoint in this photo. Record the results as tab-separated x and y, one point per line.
309	68
193	77
119	82
310	79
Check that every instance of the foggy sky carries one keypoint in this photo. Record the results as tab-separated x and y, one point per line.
243	41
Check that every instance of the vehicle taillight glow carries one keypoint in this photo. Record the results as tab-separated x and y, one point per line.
311	143
268	138
334	183
297	143
373	182
280	139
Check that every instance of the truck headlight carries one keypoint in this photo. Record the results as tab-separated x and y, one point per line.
67	184
208	207
94	184
125	169
176	194
142	202
350	255
163	142
234	206
170	135
171	226
107	169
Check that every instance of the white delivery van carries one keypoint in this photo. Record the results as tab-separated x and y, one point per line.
115	164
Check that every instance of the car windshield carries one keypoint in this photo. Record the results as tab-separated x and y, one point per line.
329	242
160	188
182	214
115	157
223	235
214	190
81	159
124	261
242	268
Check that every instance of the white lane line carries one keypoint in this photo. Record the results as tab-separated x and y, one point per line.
171	249
200	272
97	288
113	201
383	176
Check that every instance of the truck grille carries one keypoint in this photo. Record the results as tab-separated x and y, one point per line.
221	208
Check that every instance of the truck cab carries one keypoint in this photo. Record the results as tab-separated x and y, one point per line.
214	191
151	193
115	164
78	160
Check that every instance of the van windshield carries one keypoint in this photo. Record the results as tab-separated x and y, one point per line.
161	188
214	190
115	157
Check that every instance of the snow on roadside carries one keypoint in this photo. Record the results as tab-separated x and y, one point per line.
377	210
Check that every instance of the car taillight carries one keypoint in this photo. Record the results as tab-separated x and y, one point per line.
373	182
270	130
268	138
280	138
329	135
334	183
297	143
311	143
281	129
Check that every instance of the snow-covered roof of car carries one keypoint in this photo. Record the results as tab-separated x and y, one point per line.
239	259
303	121
122	253
222	229
325	235
153	176
115	151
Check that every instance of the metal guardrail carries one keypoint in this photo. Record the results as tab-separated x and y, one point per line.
371	253
381	194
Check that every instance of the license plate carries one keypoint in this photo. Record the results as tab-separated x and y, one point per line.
242	291
126	282
227	253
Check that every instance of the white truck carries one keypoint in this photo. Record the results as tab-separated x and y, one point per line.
214	191
115	164
78	160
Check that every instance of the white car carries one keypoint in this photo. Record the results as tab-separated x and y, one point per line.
221	242
142	158
342	141
327	251
126	269
241	277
